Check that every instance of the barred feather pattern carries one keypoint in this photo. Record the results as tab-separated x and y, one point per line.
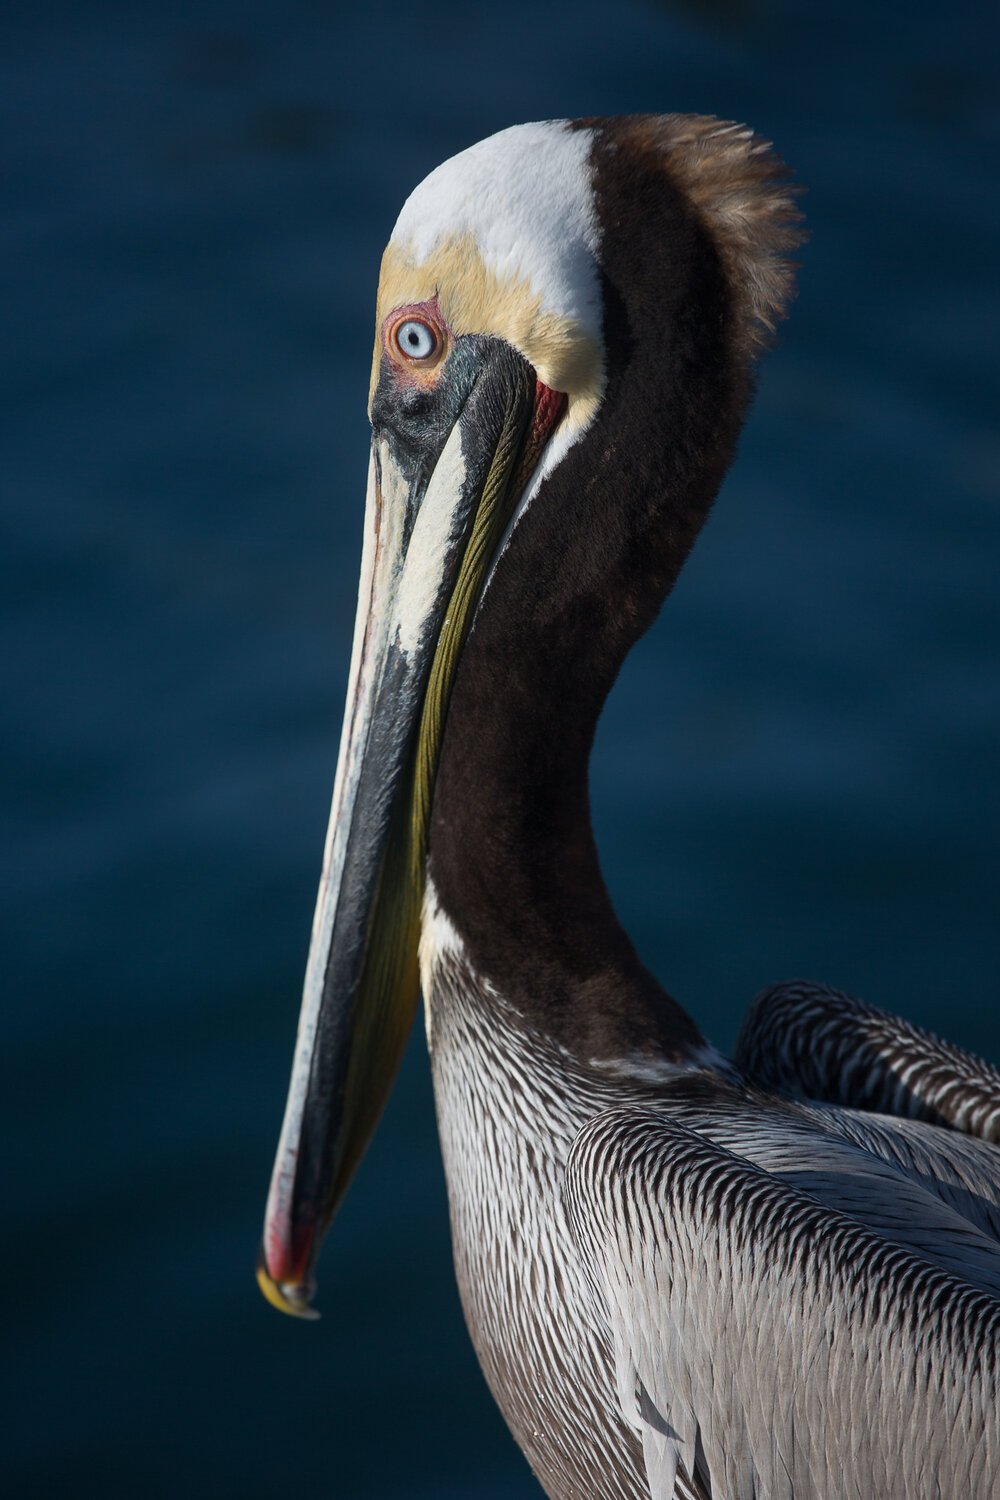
509	1106
681	1283
904	1184
818	1043
773	1346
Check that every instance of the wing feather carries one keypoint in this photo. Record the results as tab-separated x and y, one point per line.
960	1170
777	1345
908	1181
818	1043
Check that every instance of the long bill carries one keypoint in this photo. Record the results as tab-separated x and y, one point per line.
431	531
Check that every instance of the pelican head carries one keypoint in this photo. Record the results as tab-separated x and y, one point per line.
568	315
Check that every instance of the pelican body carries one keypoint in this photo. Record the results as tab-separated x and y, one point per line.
772	1276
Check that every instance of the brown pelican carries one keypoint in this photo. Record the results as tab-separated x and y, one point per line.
775	1276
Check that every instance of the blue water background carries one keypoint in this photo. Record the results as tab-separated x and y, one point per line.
795	775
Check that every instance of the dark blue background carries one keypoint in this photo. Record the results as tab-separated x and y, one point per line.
796	774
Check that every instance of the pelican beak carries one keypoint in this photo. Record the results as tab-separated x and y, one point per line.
449	460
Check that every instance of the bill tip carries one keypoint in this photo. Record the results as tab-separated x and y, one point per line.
288	1297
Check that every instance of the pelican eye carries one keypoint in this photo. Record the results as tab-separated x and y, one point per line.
415	339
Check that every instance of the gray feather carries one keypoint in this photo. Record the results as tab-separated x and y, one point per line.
811	1357
815	1042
